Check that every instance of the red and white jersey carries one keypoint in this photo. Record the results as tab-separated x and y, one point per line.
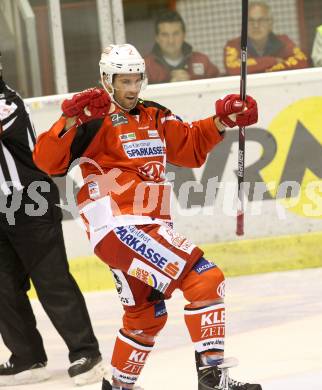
123	158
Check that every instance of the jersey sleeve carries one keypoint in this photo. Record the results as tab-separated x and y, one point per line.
290	57
189	143
211	69
254	65
52	151
293	57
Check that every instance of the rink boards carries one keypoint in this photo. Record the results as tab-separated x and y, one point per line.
283	159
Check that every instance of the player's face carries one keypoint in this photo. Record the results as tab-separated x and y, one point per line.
126	89
259	24
170	38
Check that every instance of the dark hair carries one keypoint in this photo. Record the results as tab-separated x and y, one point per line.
169	16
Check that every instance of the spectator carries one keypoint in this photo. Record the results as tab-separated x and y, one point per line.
317	48
173	59
267	51
32	246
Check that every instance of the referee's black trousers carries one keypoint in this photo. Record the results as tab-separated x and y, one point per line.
34	247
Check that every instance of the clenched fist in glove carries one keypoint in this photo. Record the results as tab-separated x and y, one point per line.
232	111
93	103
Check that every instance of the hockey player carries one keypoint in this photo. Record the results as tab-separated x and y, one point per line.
32	246
124	143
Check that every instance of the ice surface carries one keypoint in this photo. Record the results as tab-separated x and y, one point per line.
273	328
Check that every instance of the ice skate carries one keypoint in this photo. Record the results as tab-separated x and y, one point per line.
87	370
11	374
106	385
217	378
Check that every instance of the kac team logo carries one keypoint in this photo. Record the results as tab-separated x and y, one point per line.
153	170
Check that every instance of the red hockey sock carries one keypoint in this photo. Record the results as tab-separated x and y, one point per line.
128	358
206	326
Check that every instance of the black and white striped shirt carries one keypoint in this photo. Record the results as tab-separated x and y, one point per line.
17	140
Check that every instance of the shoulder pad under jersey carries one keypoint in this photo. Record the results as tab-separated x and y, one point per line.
150	103
84	136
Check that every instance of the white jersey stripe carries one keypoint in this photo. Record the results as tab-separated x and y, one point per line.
133	343
219	306
4	127
3	184
214	343
168	118
12	169
30	142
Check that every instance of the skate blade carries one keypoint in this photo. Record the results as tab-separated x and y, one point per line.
27	377
95	374
134	388
229	362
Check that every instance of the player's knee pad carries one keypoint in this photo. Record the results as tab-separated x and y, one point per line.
204	283
149	318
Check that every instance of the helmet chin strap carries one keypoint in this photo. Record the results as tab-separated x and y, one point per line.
123	108
111	93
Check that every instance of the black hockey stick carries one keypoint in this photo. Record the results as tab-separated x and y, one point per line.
241	149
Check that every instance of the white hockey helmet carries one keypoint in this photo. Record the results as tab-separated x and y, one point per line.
121	59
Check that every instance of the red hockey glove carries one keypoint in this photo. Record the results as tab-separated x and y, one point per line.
93	103
231	111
